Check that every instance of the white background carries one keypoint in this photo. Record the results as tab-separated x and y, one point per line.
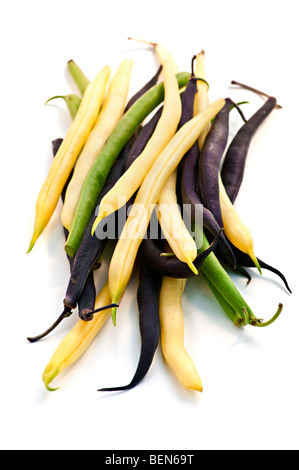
250	376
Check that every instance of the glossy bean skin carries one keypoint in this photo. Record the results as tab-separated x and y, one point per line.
111	111
142	138
232	174
165	129
68	153
92	247
192	199
149	324
87	294
245	260
210	161
173	334
152	82
233	168
124	256
97	176
151	251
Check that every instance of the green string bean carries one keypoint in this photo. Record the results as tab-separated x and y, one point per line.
226	293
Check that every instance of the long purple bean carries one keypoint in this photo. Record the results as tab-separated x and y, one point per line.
189	169
88	294
210	161
143	136
144	89
149	324
232	172
233	168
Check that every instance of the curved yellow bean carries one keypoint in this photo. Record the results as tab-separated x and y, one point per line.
173	226
68	153
162	53
165	55
123	258
172	334
234	229
167	125
75	343
111	112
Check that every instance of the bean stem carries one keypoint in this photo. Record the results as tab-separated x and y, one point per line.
72	101
234	82
261	324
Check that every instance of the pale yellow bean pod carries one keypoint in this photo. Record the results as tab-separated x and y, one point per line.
172	224
172	334
167	125
235	230
68	153
111	111
77	340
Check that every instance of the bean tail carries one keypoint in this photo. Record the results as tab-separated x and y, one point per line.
149	325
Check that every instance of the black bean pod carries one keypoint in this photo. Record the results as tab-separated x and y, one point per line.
210	161
192	199
149	324
152	82
170	266
233	168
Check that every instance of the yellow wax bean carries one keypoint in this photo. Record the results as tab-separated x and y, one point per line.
234	228
77	340
169	214
162	53
111	112
172	334
68	152
167	125
123	258
202	96
165	55
172	224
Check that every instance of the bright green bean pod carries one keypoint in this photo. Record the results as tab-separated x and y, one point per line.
78	76
227	293
226	307
222	282
97	175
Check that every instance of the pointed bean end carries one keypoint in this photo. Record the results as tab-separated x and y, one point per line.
32	243
48	377
192	267
113	314
54	98
98	220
